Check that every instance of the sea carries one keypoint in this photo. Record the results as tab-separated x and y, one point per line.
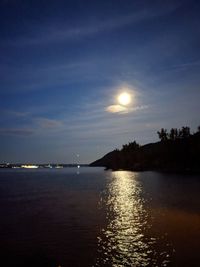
90	217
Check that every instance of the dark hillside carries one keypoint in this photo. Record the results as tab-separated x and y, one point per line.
179	154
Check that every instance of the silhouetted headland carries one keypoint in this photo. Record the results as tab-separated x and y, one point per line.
177	151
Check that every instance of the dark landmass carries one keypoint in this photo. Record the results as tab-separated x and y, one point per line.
177	151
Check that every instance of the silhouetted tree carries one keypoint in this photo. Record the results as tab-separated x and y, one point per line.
130	146
184	132
134	145
174	134
163	135
125	147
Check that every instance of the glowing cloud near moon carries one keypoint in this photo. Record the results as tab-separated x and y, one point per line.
116	109
124	102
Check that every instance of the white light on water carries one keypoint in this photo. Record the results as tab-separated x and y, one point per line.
122	241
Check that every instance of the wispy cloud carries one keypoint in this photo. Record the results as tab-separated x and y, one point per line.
117	109
48	123
184	66
142	107
16	132
28	121
59	33
13	113
42	76
94	122
123	110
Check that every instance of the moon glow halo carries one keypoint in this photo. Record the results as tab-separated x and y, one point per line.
124	99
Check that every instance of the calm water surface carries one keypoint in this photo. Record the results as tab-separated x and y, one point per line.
98	218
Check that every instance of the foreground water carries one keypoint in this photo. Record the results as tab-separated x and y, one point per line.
97	218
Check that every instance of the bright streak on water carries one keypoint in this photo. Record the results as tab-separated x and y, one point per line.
123	242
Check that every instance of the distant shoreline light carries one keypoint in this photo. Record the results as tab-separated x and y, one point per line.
30	166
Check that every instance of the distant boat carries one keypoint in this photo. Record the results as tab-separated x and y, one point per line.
58	166
78	166
48	166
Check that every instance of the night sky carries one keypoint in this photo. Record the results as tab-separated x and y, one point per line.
63	64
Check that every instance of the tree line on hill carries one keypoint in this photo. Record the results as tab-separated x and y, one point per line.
175	133
178	150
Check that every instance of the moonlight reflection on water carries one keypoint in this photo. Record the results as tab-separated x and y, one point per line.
124	242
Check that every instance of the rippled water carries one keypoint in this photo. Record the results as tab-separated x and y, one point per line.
125	241
98	218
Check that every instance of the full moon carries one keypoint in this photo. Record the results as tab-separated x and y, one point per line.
124	99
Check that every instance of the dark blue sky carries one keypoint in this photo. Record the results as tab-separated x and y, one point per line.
63	63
